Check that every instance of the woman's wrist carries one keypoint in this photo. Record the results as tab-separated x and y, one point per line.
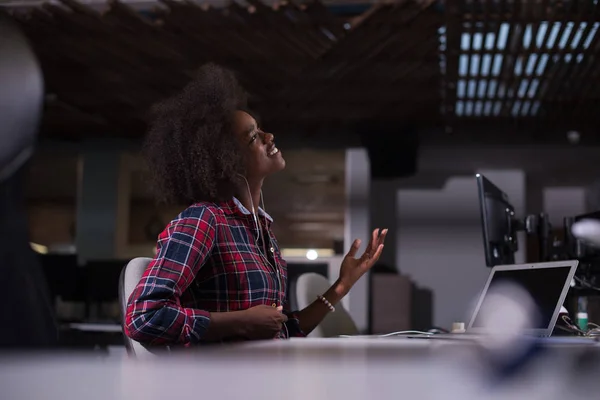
336	292
341	288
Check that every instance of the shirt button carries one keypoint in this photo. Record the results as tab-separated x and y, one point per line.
272	250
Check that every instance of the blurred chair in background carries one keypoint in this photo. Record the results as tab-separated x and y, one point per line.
130	277
306	289
26	310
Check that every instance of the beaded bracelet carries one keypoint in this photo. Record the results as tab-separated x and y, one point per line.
327	303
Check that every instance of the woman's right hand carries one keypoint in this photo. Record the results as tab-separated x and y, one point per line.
263	322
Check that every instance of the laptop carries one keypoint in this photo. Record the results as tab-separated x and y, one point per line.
547	285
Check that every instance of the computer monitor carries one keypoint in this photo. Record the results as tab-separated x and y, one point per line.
498	224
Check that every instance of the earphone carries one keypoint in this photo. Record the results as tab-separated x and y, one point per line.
252	205
259	234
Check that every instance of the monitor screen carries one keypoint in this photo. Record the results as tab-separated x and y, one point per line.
499	234
499	240
544	285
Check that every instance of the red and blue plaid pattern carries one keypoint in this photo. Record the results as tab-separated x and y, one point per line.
208	260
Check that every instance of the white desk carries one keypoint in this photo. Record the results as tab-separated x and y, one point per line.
302	369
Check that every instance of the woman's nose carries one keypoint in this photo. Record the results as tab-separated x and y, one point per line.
268	137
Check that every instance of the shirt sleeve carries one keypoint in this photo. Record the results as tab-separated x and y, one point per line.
292	326
154	312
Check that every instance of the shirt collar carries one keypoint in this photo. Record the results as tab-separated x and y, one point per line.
240	207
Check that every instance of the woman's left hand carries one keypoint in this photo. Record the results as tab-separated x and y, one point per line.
353	268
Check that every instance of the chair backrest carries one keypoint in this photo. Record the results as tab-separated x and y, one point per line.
26	301
21	98
307	287
130	277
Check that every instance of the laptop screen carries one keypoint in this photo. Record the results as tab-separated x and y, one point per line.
544	285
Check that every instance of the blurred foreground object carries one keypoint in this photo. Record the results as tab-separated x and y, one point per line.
509	313
300	369
25	308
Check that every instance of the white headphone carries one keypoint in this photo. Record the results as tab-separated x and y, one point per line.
258	232
252	205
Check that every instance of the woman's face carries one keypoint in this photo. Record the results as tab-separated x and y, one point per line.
262	157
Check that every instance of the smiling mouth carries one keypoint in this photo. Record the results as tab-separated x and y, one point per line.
273	151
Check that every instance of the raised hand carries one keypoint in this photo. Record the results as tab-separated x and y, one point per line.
353	268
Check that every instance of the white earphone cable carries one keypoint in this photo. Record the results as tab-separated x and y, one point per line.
259	235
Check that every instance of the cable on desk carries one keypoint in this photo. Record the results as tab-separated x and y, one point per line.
572	328
586	283
406	333
399	333
594	331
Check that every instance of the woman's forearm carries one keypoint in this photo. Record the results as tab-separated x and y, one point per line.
187	326
225	325
313	314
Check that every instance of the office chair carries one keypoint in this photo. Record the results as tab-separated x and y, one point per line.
306	289
130	277
26	307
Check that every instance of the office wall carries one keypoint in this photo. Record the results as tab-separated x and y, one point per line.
560	202
357	225
439	243
52	223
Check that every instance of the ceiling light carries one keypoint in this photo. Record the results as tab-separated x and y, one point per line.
312	254
38	248
573	137
301	252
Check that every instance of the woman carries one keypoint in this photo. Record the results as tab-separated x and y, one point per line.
218	274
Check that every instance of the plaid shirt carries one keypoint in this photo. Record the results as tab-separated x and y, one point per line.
208	260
